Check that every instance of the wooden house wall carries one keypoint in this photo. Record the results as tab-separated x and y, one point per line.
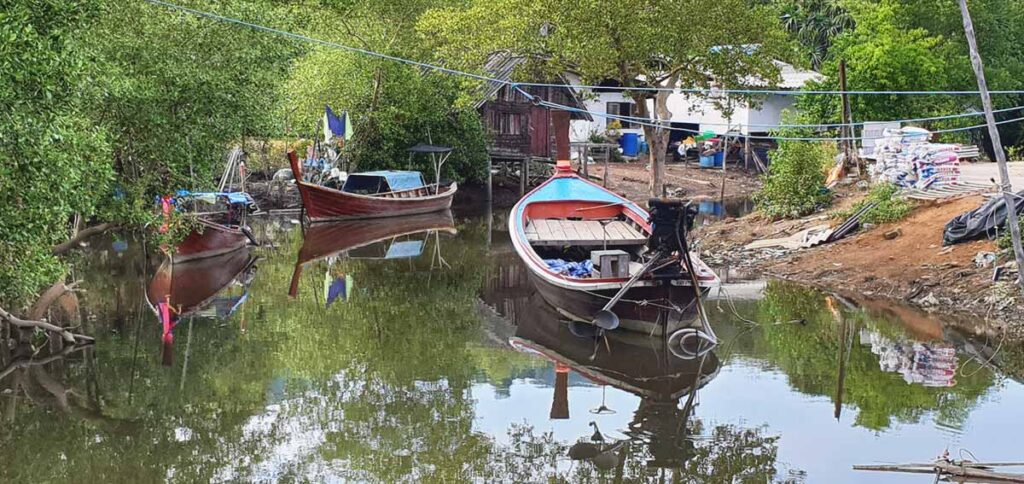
529	116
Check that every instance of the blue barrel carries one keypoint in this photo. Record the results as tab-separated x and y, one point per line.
630	143
644	147
707	161
719	158
710	208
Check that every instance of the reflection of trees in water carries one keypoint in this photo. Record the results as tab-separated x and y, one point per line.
801	336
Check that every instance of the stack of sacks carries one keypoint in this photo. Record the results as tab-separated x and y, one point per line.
906	158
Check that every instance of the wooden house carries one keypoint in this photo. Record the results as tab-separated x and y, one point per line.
519	129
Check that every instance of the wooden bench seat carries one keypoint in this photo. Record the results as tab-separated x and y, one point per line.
559	232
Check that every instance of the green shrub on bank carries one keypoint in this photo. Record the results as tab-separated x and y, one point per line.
1004	242
888	207
795	183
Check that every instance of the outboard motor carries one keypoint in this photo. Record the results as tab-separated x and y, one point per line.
671	220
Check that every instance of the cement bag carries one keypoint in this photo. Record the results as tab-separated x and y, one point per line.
982	222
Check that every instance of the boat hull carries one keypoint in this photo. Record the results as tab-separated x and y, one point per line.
326	204
209	240
667	308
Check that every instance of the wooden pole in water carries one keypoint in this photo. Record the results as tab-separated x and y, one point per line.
490	187
997	144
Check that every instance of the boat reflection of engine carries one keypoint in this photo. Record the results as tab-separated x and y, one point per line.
671	221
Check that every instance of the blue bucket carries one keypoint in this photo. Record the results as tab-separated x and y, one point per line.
707	161
719	158
630	143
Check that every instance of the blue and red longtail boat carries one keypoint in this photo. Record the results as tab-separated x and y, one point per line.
567	226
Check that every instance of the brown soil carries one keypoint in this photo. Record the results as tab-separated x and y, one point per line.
913	267
632	180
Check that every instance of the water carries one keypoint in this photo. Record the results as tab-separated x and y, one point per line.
446	367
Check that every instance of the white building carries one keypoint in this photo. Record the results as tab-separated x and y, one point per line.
692	113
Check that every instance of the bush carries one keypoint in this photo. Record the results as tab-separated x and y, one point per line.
1004	242
795	183
888	207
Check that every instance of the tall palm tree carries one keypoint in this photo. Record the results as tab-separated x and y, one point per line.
815	23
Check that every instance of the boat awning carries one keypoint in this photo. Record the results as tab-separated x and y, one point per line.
383	181
212	197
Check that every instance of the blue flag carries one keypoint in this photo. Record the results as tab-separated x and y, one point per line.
333	125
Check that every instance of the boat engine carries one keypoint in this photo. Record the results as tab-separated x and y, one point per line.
671	221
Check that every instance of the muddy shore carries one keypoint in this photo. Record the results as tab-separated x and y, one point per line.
903	262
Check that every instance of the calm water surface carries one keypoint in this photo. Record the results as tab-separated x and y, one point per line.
426	356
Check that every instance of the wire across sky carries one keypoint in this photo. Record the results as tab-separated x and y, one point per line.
631	119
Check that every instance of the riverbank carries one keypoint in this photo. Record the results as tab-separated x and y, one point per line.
903	261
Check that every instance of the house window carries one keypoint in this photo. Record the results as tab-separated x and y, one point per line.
508	123
623	109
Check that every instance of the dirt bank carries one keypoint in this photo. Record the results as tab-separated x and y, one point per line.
913	267
632	180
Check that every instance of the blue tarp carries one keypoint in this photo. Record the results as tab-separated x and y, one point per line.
211	197
394	181
571	269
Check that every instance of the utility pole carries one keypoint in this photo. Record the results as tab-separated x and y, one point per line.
847	132
997	144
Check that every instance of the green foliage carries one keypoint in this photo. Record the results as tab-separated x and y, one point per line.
394	106
1004	242
795	184
814	24
888	207
175	90
54	163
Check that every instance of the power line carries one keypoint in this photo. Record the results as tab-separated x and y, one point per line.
446	70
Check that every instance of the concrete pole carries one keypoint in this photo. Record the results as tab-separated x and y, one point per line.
997	144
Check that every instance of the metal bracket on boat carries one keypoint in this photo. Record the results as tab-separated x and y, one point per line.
605	318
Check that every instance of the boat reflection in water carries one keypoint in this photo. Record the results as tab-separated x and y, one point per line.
391	238
665	381
212	287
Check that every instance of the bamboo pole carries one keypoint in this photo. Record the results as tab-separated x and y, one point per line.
997	144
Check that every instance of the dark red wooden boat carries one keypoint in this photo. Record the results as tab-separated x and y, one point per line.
324	240
218	232
324	203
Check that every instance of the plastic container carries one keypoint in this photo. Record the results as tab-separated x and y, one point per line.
630	143
644	147
707	161
719	158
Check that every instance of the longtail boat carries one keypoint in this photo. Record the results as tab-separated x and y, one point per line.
583	244
376	194
218	231
350	237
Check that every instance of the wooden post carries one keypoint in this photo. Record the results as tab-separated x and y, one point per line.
522	176
607	166
526	172
490	187
997	144
746	150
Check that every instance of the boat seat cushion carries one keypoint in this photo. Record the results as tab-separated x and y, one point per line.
559	232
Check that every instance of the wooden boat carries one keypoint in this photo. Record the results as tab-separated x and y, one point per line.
374	194
219	232
322	241
569	218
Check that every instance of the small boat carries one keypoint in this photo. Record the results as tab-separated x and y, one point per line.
376	194
583	245
367	239
220	231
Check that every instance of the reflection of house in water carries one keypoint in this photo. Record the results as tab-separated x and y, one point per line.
928	364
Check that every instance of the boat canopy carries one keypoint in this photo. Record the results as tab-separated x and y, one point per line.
212	197
383	181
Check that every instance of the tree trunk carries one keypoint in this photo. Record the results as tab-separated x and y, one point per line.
658	135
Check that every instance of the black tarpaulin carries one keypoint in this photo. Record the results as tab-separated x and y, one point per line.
983	222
